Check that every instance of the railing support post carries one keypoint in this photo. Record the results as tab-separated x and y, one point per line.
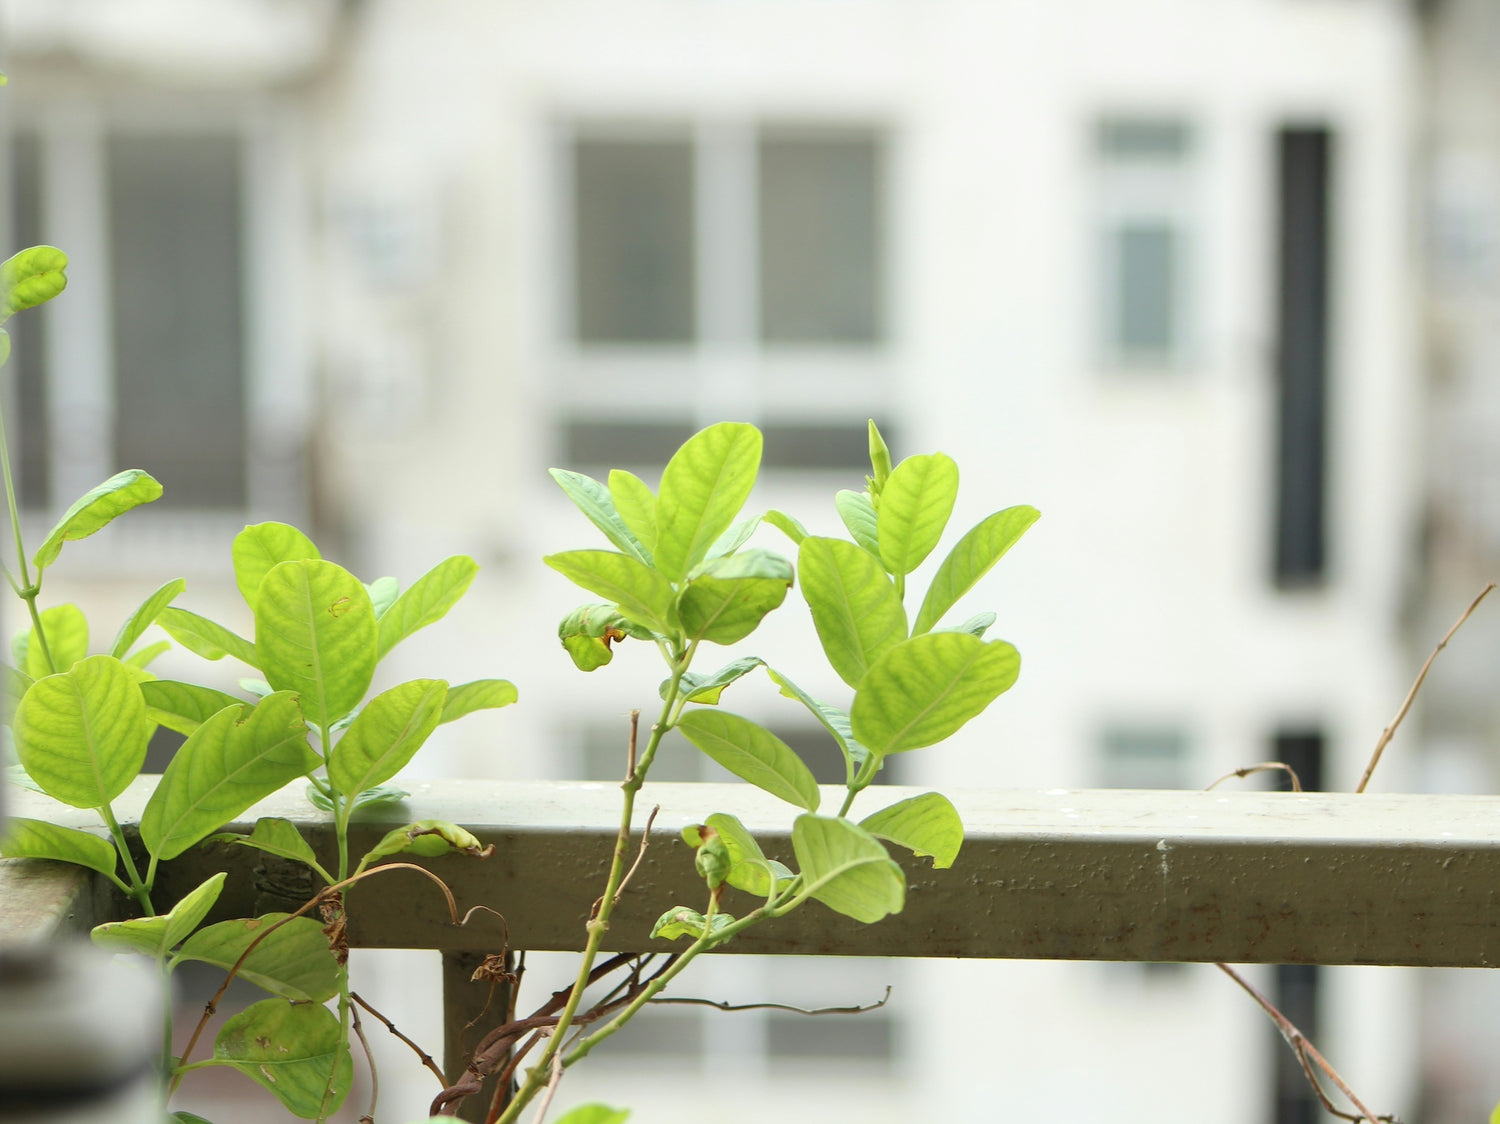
471	1007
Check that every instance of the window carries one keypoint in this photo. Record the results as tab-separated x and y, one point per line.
1144	209
724	269
1144	757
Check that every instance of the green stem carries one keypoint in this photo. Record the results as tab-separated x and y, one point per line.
860	783
598	926
166	1023
139	890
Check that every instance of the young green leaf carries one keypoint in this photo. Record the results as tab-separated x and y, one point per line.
595	501
31	277
141	658
480	694
787	526
589	631
640	592
832	719
156	936
316	634
292	960
752	753
95	509
144	617
292	1050
262	546
390	729
914	508
67	633
427	600
970	559
731	595
37	839
923	690
706	689
855	608
183	706
847	869
594	1114
749	869
206	638
275	836
427	839
926	825
239	756
680	921
82	734
703	487
381	796
859	517
734	538
977	625
880	460
383	593
635	503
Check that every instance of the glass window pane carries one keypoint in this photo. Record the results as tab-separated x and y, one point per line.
1143	758
820	239
174	230
1123	139
27	368
633	231
1145	290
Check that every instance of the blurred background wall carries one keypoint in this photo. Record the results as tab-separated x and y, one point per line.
1213	283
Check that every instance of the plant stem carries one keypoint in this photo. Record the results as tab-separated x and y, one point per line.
27	591
860	783
139	890
598	926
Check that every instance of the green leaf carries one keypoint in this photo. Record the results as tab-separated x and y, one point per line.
390	729
36	839
292	1050
589	631
316	634
855	606
880	460
238	757
970	559
858	514
67	633
752	753
205	638
427	600
183	706
31	277
481	694
141	658
977	625
156	936
189	1118
703	487
640	592
427	839
926	825
706	689
144	617
257	687
275	836
383	593
95	509
833	719
847	869
731	596
82	734
914	508
594	500
788	526
923	690
680	921
749	869
635	504
381	796
4	347
261	547
292	961
13	686
594	1114
734	538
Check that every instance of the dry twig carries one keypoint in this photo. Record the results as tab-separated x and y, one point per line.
1264	767
422	1055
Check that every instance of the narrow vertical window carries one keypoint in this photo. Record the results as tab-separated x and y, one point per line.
27	367
1144	205
177	317
633	224
1303	161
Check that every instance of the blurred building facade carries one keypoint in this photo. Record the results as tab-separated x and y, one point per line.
371	267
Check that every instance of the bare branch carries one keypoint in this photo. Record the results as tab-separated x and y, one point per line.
881	1002
1264	767
359	1030
422	1055
553	1079
639	855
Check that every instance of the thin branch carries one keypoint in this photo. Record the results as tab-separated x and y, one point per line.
721	1006
1264	767
1411	695
507	1076
639	855
422	1055
1305	1050
359	1030
553	1079
635	725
